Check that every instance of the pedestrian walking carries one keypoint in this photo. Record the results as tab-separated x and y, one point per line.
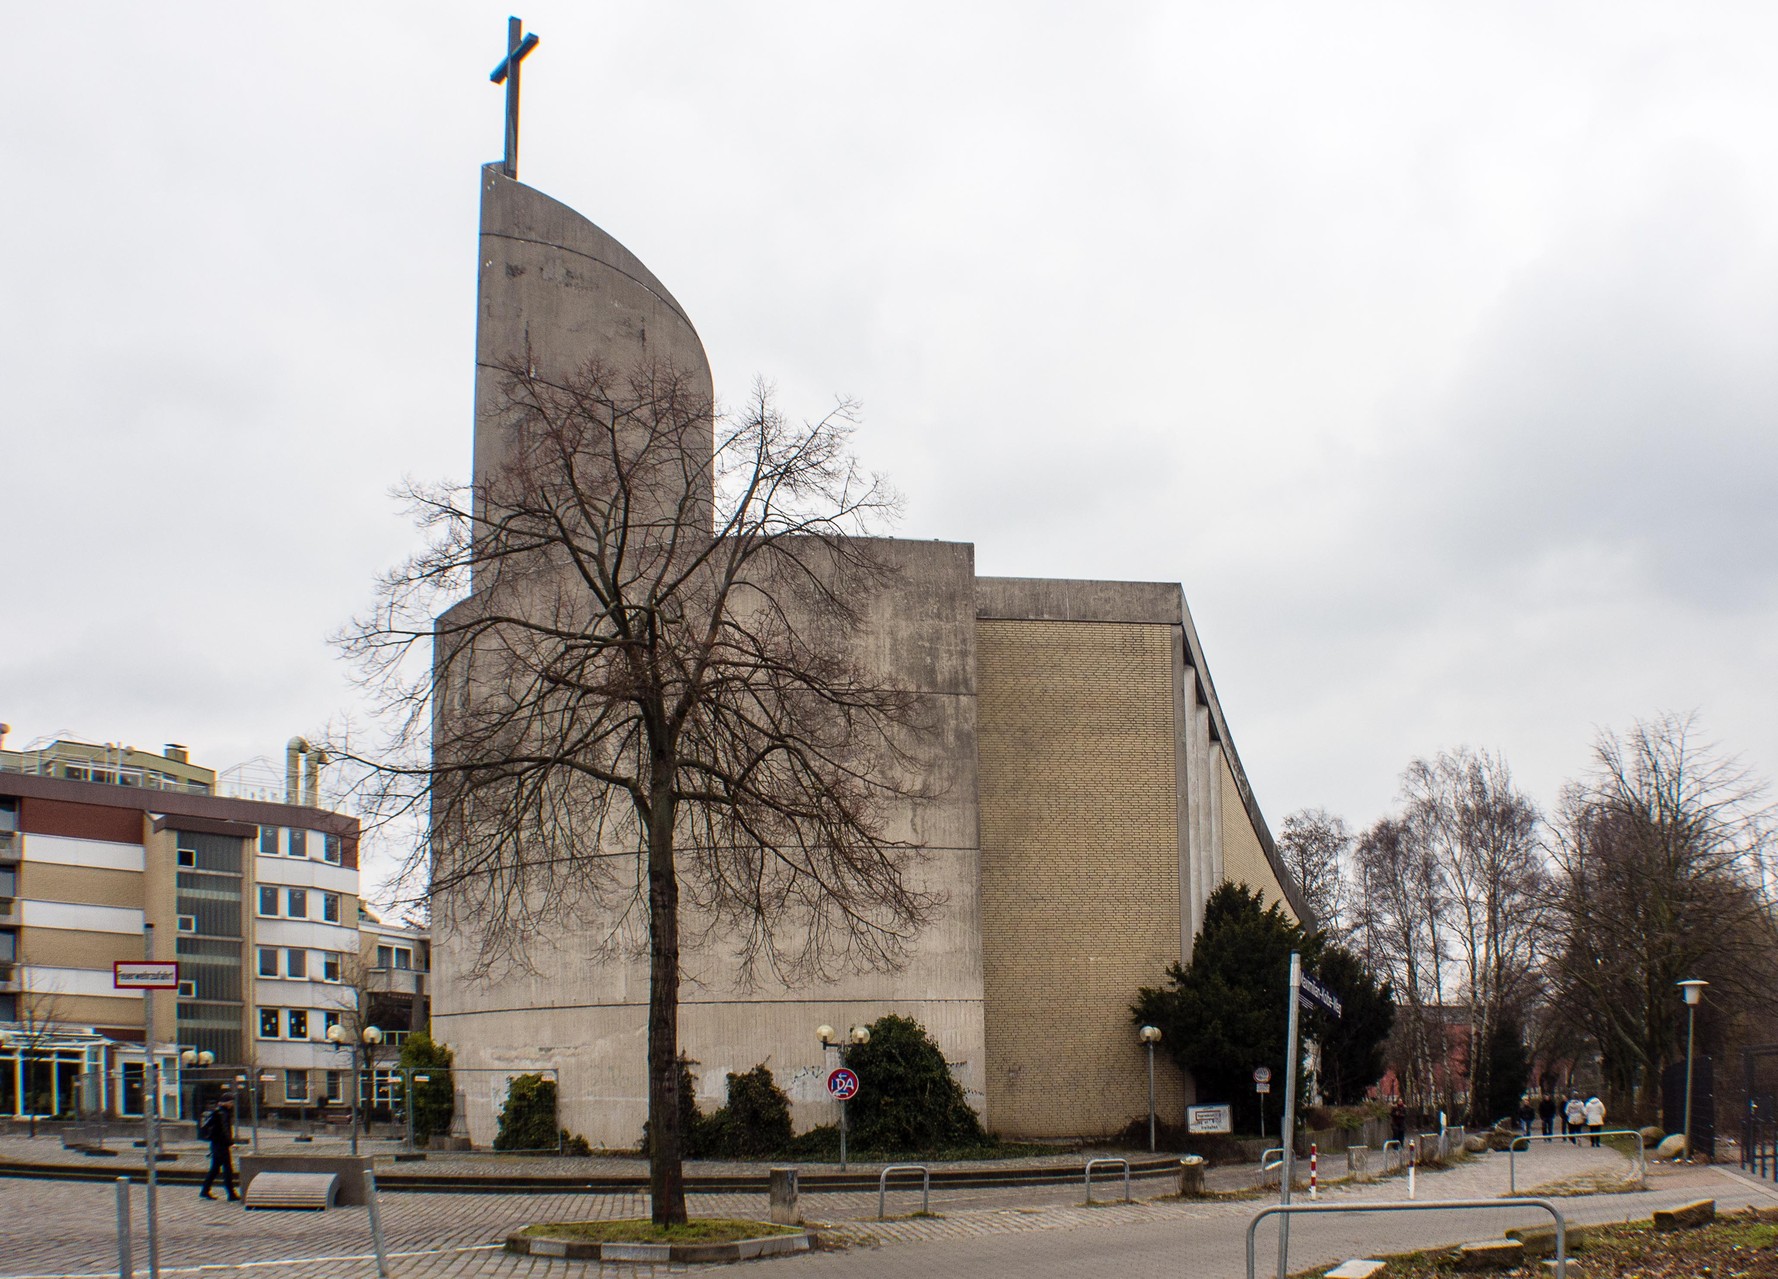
1525	1115
1574	1117
1546	1111
1398	1120
1595	1114
218	1128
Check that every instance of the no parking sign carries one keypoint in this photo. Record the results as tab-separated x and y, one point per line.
842	1085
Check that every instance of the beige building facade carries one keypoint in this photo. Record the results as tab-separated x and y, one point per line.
1090	800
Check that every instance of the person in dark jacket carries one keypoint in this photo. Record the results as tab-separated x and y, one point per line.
218	1128
1546	1111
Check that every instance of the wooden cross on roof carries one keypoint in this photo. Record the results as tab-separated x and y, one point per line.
518	45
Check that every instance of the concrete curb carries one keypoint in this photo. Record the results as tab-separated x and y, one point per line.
704	1253
393	1180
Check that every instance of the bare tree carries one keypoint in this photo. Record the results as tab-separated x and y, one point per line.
1481	833
40	1021
1315	846
650	712
1664	868
1401	929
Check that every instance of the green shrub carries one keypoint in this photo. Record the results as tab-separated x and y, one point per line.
690	1122
574	1144
908	1101
755	1123
433	1101
528	1119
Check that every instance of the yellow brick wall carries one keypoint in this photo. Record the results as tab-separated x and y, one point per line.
1243	860
1080	868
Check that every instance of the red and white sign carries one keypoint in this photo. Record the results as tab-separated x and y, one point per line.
842	1085
145	974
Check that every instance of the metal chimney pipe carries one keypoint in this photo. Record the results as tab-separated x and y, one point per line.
294	750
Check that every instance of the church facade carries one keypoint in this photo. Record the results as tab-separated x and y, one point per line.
1091	800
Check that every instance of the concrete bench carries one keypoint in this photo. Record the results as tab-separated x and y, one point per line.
312	1190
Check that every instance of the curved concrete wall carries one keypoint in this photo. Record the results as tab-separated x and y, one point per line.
557	288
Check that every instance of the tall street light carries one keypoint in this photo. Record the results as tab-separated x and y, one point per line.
1693	991
368	1039
1150	1035
830	1038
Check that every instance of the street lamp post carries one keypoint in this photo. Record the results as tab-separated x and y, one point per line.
1692	990
367	1039
830	1038
1150	1035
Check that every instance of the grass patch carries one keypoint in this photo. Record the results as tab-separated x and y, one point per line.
1742	1246
705	1230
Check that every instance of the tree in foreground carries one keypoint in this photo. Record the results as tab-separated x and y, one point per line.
433	1098
645	708
1352	1043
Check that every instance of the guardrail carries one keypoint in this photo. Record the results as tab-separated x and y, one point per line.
925	1185
1512	1179
1094	1163
1389	1167
1267	1164
1289	1210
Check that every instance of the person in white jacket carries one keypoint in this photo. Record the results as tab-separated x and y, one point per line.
1595	1112
1574	1116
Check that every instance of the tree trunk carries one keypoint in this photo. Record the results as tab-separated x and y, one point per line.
666	1171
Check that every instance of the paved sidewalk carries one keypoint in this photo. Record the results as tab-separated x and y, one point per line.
65	1228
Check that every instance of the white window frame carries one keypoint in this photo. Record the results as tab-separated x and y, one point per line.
277	1023
290	897
188	923
187	858
290	1031
290	953
188	989
333	900
259	963
261	910
292	1076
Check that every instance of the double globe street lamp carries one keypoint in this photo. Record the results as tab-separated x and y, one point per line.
368	1038
858	1036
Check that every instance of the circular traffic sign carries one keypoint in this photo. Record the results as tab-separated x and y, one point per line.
842	1084
1262	1075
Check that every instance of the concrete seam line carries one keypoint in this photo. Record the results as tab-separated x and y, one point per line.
277	1261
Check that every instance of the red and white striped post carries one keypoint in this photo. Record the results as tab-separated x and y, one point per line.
1413	1158
1313	1153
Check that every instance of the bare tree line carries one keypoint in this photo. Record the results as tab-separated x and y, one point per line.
1565	932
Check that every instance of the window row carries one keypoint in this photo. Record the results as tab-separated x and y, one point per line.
299	964
289	841
293	1023
296	903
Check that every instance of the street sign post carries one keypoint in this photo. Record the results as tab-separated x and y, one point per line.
842	1086
1315	995
149	975
1209	1119
145	974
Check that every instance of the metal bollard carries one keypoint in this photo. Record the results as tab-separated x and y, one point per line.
126	1262
1413	1158
376	1223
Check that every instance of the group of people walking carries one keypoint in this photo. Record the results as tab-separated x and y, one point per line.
1579	1118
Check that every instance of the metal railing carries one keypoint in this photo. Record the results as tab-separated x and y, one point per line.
1391	1148
925	1185
1270	1161
1094	1163
1289	1210
1759	1146
1512	1149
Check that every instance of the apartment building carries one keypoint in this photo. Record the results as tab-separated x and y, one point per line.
256	898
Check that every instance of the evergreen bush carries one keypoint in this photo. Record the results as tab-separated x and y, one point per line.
908	1101
433	1101
528	1118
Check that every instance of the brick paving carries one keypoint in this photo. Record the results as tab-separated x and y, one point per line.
66	1229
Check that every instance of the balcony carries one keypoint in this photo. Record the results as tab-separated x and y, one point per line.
396	981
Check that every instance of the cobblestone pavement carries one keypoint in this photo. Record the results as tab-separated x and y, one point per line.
66	1229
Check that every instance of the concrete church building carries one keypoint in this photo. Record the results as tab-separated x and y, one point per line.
1094	799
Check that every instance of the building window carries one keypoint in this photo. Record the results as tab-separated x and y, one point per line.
296	903
188	923
330	849
299	843
328	1021
296	1085
296	963
268	1023
330	965
334	1092
395	957
330	907
298	1021
188	990
9	814
268	840
188	857
268	901
268	961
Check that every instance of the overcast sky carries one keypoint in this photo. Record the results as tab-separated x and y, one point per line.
1432	347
